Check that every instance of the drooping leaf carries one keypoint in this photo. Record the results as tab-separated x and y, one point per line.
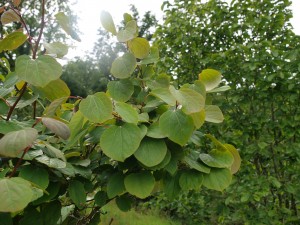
217	158
140	184
127	112
36	175
124	203
107	22
120	90
66	24
120	142
57	127
213	114
56	48
171	186
192	161
12	41
115	185
140	47
190	180
97	108
54	106
217	179
14	142
3	107
51	162
237	159
9	126
128	33
123	66
177	126
38	72
55	89
9	16
100	198
16	193
211	78
151	151
77	193
76	123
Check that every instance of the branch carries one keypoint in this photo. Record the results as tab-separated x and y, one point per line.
12	108
19	161
41	31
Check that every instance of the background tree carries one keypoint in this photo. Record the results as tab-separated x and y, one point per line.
253	44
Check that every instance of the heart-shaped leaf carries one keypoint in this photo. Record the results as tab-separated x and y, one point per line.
12	41
39	72
140	47
217	179
123	66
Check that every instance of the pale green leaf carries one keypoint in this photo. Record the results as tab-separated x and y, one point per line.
9	16
55	89
123	66
140	184
57	127
153	57
198	118
97	108
127	112
192	161
120	142
237	159
217	179
211	78
177	126
219	89
191	101
151	151
39	72
213	114
16	193
128	33
66	24
12	41
107	22
54	152
56	48
140	47
154	131
13	143
51	162
217	158
165	95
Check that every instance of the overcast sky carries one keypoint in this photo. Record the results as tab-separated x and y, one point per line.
89	17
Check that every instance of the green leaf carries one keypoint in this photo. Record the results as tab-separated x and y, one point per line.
153	57
115	185
191	101
192	161
57	127
236	156
154	131
198	118
39	72
190	180
120	90
55	89
97	108
219	89
56	48
100	198
77	193
165	95
217	158
16	193
140	184
9	16
127	112
120	142
213	114
3	107
66	24
54	152
36	175
171	186
124	203
128	33
177	126
6	219
13	143
107	22
12	41
23	102
211	78
51	212
151	151
217	179
51	162
123	66
54	106
140	47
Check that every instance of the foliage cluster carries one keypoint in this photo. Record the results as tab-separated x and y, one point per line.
253	45
65	160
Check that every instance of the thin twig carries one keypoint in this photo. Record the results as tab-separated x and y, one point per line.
12	108
19	161
41	31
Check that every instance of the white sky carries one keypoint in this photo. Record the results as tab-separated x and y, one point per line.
88	12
